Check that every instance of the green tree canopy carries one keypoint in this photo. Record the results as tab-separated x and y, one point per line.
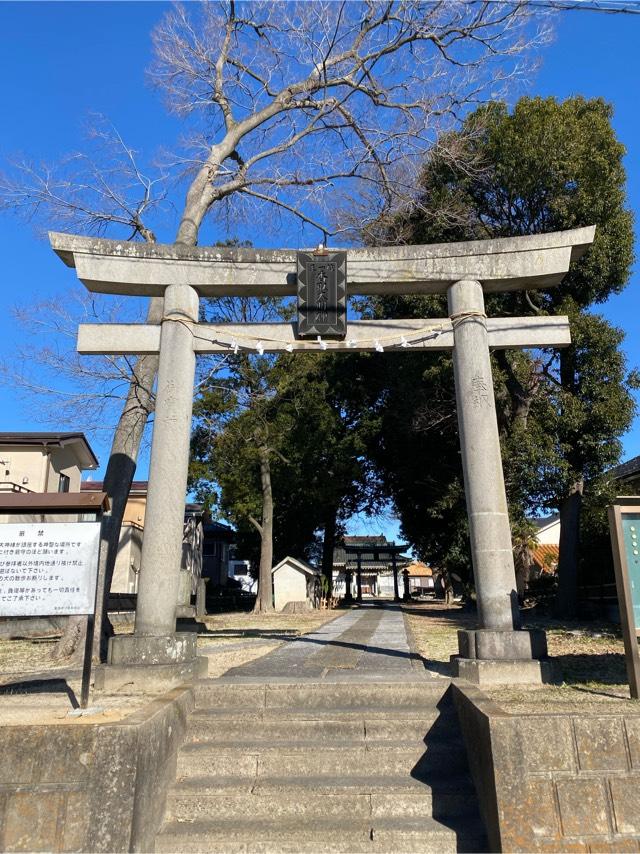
544	166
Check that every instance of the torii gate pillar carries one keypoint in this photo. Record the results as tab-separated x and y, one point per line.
155	640
499	642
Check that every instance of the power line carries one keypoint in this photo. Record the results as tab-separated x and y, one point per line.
610	7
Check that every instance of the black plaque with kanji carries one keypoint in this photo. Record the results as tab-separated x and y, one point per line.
322	294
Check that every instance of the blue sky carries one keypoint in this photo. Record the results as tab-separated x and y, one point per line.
60	62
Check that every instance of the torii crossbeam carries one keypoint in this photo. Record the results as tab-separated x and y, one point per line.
498	651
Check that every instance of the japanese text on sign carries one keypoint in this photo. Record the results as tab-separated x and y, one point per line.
48	568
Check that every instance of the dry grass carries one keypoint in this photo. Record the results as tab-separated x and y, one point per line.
27	656
234	627
225	659
589	659
434	627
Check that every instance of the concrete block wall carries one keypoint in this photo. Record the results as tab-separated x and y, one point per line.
90	787
553	782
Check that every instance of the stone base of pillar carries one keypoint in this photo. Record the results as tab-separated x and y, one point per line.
185	612
150	663
152	649
490	644
148	678
503	671
492	657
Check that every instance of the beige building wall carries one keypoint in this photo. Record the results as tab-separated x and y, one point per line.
550	534
289	585
64	462
125	575
135	510
27	467
37	470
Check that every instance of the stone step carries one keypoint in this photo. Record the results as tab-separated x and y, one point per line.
316	797
331	836
203	725
290	696
251	758
373	712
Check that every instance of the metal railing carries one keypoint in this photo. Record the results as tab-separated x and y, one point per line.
9	486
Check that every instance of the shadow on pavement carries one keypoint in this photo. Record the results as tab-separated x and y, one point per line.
40	686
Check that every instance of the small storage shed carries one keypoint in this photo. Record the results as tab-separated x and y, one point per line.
294	581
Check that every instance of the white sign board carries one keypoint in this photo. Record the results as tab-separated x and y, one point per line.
48	568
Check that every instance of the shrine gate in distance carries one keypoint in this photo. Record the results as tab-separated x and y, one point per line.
156	656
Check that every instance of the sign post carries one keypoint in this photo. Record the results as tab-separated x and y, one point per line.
624	526
51	568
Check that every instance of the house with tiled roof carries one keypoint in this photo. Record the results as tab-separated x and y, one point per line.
205	550
544	559
548	529
544	555
627	477
421	577
44	462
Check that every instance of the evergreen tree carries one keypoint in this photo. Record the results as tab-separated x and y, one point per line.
545	166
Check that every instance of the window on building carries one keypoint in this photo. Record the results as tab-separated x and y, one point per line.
64	482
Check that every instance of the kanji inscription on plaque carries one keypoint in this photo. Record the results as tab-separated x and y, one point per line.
322	294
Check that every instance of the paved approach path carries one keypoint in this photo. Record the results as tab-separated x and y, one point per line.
338	742
369	642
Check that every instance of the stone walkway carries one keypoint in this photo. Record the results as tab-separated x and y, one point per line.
367	643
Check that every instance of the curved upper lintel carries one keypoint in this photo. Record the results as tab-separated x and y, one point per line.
144	269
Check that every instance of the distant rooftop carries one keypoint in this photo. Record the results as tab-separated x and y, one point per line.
375	552
379	540
86	458
418	569
139	486
546	556
626	470
543	521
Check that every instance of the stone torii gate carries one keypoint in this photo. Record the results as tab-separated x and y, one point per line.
155	655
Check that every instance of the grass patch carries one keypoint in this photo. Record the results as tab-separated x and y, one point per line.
588	656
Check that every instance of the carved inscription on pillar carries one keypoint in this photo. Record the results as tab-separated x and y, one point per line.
322	294
480	392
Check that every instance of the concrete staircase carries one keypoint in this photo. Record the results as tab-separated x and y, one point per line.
322	767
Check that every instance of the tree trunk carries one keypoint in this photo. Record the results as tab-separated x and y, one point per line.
521	396
264	601
328	547
117	484
566	604
522	562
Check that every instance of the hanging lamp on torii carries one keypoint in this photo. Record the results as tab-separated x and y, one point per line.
498	650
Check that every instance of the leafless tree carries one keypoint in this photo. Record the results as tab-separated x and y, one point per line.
288	105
